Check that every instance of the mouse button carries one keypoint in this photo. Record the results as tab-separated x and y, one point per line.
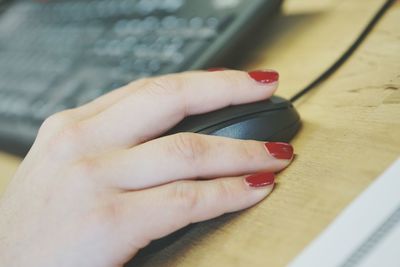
213	120
270	104
196	123
237	111
262	127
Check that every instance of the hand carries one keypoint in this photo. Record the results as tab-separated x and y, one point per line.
98	184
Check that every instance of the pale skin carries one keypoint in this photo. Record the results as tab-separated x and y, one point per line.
100	183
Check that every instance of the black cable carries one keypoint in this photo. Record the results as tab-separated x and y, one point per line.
345	55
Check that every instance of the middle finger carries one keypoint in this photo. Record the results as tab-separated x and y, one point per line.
187	156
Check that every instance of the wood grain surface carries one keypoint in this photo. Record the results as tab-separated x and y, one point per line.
350	134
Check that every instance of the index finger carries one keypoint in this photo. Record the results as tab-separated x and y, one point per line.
162	102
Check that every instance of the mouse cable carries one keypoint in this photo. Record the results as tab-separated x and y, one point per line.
346	55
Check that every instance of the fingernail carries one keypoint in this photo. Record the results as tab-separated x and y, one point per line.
216	69
280	150
264	76
260	179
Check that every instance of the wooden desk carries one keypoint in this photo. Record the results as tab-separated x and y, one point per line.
350	135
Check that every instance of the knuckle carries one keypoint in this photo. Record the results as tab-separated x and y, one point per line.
168	89
55	122
229	79
225	189
163	86
111	211
66	141
84	169
106	215
185	195
189	147
248	151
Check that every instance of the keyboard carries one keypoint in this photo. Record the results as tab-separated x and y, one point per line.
58	54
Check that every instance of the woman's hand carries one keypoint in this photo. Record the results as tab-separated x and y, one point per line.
98	184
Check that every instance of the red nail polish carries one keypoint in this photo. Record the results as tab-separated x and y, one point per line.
216	69
260	179
280	150
264	76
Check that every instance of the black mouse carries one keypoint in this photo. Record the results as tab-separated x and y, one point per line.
273	120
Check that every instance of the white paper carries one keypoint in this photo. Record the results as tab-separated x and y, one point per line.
366	233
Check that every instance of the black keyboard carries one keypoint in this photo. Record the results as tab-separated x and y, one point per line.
57	54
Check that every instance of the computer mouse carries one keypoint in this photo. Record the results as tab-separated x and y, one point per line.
274	120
